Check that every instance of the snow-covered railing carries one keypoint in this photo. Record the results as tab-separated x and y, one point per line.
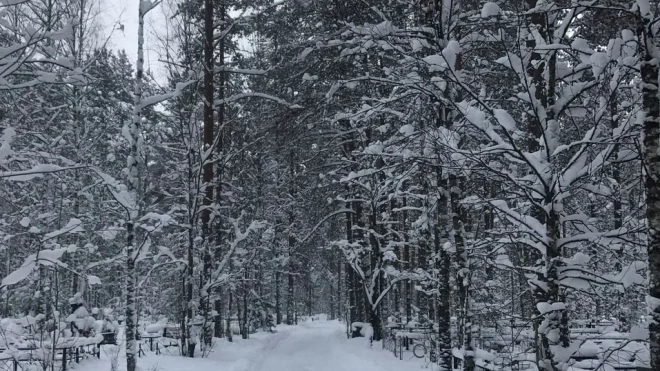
66	351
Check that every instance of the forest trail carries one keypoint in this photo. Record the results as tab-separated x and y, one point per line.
315	346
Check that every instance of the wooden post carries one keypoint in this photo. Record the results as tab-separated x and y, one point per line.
77	355
63	359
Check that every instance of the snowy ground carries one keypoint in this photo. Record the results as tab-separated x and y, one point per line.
310	346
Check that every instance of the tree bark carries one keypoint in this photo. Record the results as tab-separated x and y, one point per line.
207	178
218	327
651	108
289	295
376	262
133	187
292	245
246	325
278	304
553	330
230	335
339	274
463	275
443	265
407	260
350	274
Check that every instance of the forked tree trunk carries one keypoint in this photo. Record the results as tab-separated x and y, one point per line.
376	262
553	330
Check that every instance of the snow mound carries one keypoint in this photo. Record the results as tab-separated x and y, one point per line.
490	9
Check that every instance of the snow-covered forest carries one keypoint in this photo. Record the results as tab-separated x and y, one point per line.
481	178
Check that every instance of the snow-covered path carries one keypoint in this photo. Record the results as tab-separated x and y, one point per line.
310	346
316	346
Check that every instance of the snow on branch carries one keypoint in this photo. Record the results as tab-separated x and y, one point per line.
118	190
5	3
155	99
73	226
240	96
337	212
242	71
36	172
44	257
146	6
239	237
526	222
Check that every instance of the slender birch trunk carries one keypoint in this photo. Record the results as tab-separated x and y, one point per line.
133	186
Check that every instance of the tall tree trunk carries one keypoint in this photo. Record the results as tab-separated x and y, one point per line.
184	314
278	264
407	259
375	279
310	295
333	302
278	300
188	343
617	210
246	325
439	17
361	302
289	295
350	274
230	335
207	178
350	292
292	245
463	275
339	274
133	187
553	330
651	108
219	167
219	328
395	294
443	266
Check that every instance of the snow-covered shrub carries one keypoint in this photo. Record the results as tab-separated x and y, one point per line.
81	322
